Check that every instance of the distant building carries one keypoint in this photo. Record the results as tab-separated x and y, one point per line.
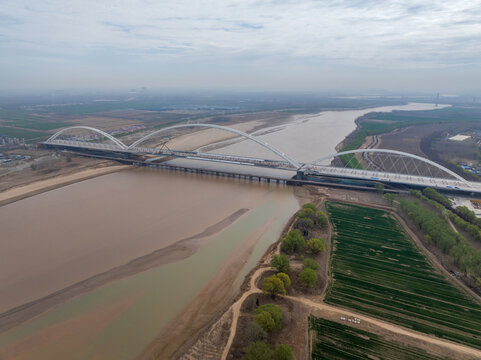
459	137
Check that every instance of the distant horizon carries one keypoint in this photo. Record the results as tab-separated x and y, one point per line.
144	90
248	46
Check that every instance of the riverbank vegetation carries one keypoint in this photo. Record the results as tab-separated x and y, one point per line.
431	214
260	331
304	245
377	270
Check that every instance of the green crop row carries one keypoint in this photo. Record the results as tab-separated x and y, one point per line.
338	341
378	270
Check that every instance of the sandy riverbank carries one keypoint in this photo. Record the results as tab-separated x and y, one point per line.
37	187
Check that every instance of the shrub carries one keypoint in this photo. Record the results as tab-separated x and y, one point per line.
307	277
281	263
258	351
274	311
285	279
264	320
310	264
390	198
310	206
307	213
293	242
322	218
255	332
304	225
273	286
283	352
316	246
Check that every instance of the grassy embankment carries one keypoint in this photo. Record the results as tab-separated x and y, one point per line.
378	270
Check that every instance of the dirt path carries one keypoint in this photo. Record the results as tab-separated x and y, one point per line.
390	327
253	289
337	312
236	307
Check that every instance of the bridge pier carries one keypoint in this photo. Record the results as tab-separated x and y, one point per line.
300	175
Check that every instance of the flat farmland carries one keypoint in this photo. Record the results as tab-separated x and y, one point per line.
377	269
334	341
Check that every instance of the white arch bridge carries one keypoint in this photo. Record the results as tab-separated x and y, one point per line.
363	165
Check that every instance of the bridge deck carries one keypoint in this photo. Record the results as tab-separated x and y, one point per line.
310	170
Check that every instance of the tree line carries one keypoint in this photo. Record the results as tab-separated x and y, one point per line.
437	230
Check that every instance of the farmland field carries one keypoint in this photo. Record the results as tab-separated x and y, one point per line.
378	270
22	133
334	341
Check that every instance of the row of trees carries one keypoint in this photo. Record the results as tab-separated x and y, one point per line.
294	242
434	195
471	229
461	211
468	215
467	258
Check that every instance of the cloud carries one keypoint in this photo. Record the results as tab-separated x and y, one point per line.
309	35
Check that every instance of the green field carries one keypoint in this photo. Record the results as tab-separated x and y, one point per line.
377	270
23	134
38	125
336	341
26	120
398	119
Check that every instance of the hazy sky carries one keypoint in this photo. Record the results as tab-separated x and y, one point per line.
299	45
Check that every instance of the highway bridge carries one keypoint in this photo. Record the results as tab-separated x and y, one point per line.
366	166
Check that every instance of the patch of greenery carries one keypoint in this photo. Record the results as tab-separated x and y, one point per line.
23	134
293	242
276	284
274	311
377	270
338	341
281	263
39	125
307	277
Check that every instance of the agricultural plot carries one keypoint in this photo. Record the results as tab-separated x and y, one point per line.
377	270
334	341
22	133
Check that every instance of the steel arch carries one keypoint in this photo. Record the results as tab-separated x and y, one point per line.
103	133
442	168
240	133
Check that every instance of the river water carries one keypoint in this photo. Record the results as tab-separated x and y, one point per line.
60	237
